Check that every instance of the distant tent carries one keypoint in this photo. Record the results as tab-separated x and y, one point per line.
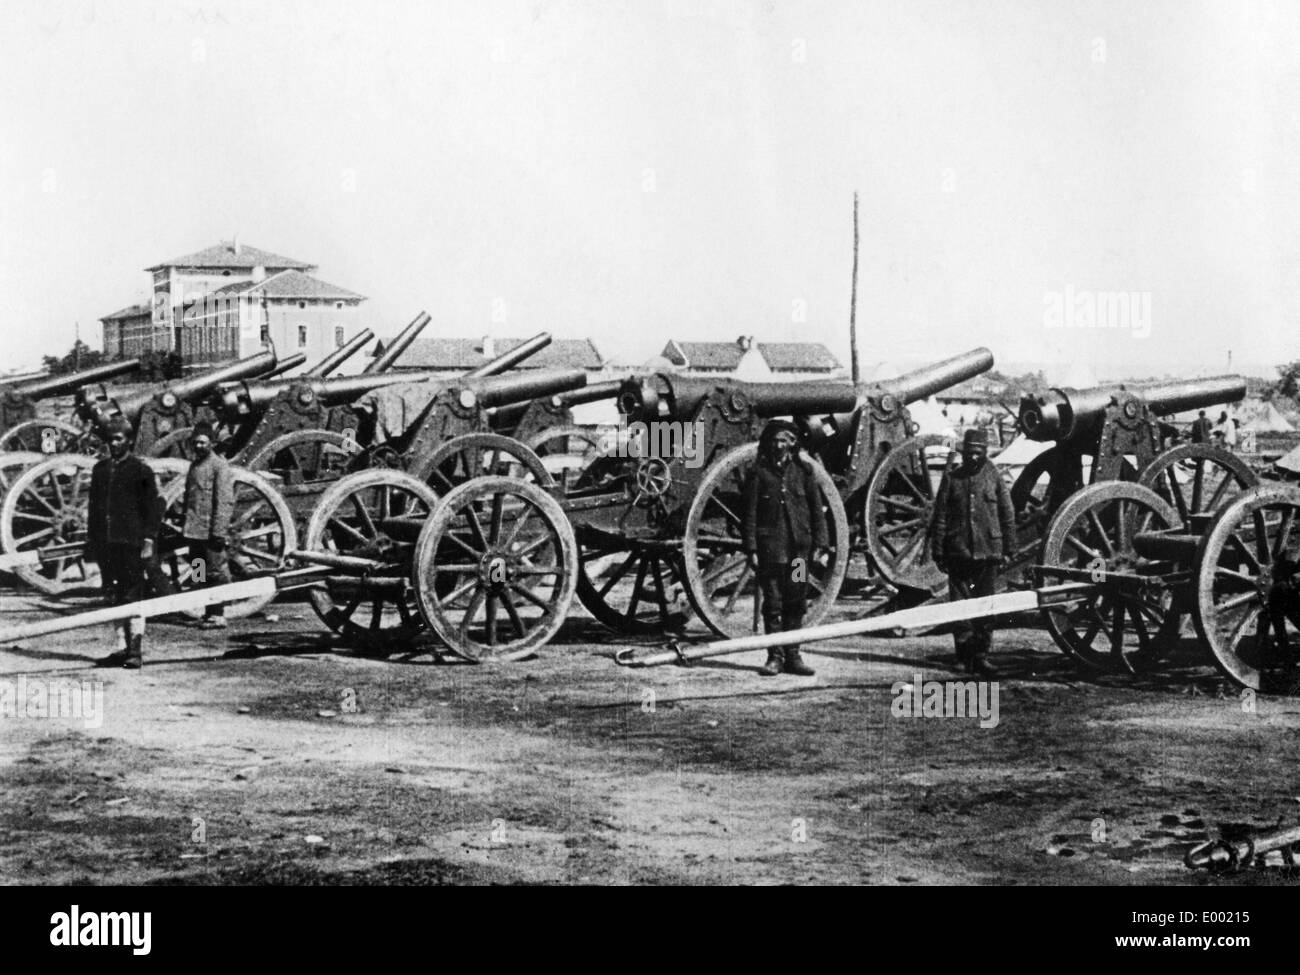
1020	452
1268	420
1291	461
928	415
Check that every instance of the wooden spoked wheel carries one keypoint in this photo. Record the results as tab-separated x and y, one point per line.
176	444
1198	479
495	569
897	508
1248	588
567	451
51	436
377	515
474	455
13	464
306	457
632	587
720	584
260	537
1127	623
48	505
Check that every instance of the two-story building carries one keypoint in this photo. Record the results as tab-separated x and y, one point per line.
227	301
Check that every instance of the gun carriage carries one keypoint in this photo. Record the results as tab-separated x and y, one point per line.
20	409
480	545
877	458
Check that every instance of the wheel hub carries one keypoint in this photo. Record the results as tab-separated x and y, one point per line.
496	569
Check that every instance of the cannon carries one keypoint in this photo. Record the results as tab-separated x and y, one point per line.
159	410
25	430
477	544
251	412
1114	433
1234	569
304	422
879	464
374	514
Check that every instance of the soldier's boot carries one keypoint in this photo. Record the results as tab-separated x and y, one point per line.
118	657
775	662
135	646
979	662
794	663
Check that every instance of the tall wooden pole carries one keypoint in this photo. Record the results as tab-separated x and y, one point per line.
853	299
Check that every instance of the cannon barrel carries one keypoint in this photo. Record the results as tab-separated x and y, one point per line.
1065	414
243	399
59	385
519	387
284	365
398	345
606	389
189	389
662	396
925	382
24	377
341	355
512	357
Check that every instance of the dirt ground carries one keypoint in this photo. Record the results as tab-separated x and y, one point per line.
268	754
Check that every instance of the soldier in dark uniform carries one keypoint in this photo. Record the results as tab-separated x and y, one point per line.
972	534
784	529
122	530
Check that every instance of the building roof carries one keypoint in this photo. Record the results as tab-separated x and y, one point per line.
721	356
457	354
290	285
233	255
798	356
130	311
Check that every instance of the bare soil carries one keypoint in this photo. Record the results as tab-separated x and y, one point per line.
269	754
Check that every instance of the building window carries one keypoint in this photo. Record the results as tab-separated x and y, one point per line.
266	334
338	336
302	336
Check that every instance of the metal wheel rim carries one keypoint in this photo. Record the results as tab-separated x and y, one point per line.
496	540
725	622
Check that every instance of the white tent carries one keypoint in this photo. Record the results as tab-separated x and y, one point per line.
928	415
1020	452
1268	420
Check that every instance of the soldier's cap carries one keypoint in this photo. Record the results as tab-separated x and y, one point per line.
975	438
117	423
203	429
776	426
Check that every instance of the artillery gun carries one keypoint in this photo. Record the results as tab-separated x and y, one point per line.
159	410
241	409
480	545
1115	433
24	428
877	458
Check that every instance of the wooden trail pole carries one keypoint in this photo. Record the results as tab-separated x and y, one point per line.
917	618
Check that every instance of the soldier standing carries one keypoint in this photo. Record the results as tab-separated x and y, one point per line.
973	533
122	530
784	528
209	500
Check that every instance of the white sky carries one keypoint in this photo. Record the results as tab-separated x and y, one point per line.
639	171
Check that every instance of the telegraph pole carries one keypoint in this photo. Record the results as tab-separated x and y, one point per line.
853	299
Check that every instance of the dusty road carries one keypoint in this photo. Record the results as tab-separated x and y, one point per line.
268	754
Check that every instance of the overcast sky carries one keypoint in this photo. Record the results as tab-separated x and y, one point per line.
640	171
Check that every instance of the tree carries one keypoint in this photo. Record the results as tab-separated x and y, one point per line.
80	356
1288	383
